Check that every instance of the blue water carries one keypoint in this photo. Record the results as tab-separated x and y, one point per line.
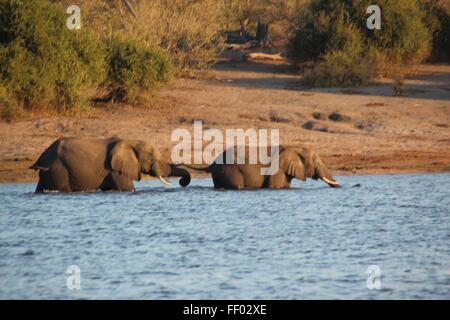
201	243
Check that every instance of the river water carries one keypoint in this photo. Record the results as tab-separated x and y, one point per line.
309	242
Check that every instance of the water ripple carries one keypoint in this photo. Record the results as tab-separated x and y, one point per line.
200	243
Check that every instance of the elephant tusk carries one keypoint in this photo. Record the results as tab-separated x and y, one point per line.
331	182
164	181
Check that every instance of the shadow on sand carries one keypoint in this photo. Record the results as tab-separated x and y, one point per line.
280	76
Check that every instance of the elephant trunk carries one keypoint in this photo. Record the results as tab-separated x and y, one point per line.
325	176
331	182
180	172
162	169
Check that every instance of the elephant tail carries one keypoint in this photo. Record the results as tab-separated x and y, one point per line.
199	167
40	164
38	167
47	157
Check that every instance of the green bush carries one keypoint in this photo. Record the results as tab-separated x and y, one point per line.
437	20
403	37
331	31
43	64
133	68
341	69
323	33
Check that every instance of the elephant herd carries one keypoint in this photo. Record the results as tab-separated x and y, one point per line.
113	164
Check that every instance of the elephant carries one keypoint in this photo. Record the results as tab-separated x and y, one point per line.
294	162
111	164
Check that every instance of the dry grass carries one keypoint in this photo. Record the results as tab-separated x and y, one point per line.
188	30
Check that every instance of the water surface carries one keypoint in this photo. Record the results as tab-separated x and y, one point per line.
199	243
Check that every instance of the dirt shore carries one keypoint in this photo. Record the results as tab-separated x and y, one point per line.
357	131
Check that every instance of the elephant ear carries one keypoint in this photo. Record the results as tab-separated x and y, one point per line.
124	161
292	165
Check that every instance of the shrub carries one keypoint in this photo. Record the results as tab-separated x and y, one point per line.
323	33
342	69
42	63
403	37
133	68
332	32
437	20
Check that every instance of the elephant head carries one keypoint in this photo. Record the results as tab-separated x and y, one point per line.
132	158
302	163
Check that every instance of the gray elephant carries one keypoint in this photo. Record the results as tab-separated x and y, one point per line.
299	163
72	164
